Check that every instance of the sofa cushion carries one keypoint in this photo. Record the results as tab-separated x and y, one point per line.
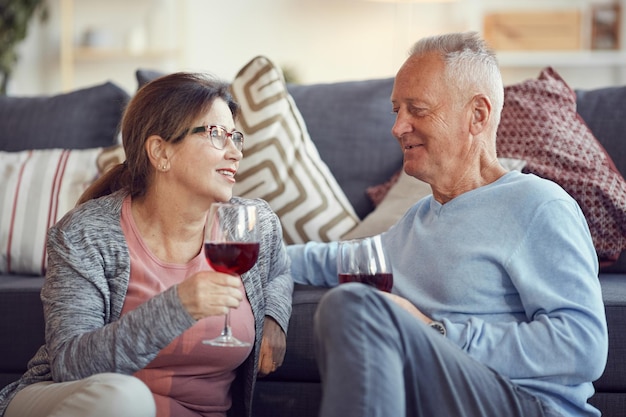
38	187
541	126
281	165
22	324
144	76
299	363
604	112
614	296
350	123
86	118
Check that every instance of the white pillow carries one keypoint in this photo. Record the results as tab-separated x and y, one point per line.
37	188
281	163
402	195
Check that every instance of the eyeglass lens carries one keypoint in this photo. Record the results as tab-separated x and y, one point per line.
220	135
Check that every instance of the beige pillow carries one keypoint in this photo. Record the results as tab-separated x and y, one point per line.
402	195
281	163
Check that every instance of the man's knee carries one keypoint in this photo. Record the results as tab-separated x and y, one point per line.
339	304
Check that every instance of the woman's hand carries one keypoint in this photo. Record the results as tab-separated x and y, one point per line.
209	293
273	347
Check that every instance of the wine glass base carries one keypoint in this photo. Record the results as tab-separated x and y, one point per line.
226	341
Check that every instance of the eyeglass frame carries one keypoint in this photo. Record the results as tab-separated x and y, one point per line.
227	135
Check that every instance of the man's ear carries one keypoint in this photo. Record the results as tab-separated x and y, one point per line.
156	149
481	113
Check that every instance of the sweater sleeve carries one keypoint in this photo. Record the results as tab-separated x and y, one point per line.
554	268
314	263
84	333
279	287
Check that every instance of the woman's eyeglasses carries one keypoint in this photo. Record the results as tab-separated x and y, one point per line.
219	135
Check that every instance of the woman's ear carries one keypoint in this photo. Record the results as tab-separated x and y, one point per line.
481	113
156	149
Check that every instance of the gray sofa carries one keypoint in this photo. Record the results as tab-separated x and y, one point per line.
350	124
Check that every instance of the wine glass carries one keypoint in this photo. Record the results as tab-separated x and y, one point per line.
231	245
365	260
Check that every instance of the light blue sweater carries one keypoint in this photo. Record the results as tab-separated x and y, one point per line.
511	270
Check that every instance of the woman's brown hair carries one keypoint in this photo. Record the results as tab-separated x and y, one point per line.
166	106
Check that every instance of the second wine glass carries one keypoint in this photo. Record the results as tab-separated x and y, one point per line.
231	245
365	260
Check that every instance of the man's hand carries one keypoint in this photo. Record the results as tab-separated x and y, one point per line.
273	346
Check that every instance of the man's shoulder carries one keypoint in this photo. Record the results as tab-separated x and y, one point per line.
540	187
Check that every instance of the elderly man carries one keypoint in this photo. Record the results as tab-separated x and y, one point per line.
496	309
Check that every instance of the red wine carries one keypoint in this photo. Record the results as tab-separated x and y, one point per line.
382	281
232	257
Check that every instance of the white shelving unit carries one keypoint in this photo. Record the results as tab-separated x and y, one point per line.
94	37
587	66
566	58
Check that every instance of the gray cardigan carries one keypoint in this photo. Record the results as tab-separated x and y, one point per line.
84	290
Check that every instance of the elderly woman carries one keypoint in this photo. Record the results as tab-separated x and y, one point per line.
129	297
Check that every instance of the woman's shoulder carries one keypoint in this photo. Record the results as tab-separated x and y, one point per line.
102	212
261	205
249	201
270	223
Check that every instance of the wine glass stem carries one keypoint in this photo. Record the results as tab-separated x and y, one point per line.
227	330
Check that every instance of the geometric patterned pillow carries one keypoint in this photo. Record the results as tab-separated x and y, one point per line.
110	157
541	126
37	188
377	193
281	163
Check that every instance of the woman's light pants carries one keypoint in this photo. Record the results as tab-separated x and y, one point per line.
100	395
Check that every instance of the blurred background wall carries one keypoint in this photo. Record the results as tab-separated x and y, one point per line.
86	42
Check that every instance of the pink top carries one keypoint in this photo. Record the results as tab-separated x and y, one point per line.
187	377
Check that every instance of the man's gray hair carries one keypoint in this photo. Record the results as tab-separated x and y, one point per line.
470	65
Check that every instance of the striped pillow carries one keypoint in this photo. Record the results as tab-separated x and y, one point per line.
281	164
38	187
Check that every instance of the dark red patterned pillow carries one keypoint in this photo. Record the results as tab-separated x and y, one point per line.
540	125
377	193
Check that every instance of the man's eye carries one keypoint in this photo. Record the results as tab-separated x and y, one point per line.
417	111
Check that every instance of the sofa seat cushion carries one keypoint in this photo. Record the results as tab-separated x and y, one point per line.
299	363
22	325
614	295
286	399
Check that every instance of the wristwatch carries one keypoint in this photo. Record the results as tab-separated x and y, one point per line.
437	325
